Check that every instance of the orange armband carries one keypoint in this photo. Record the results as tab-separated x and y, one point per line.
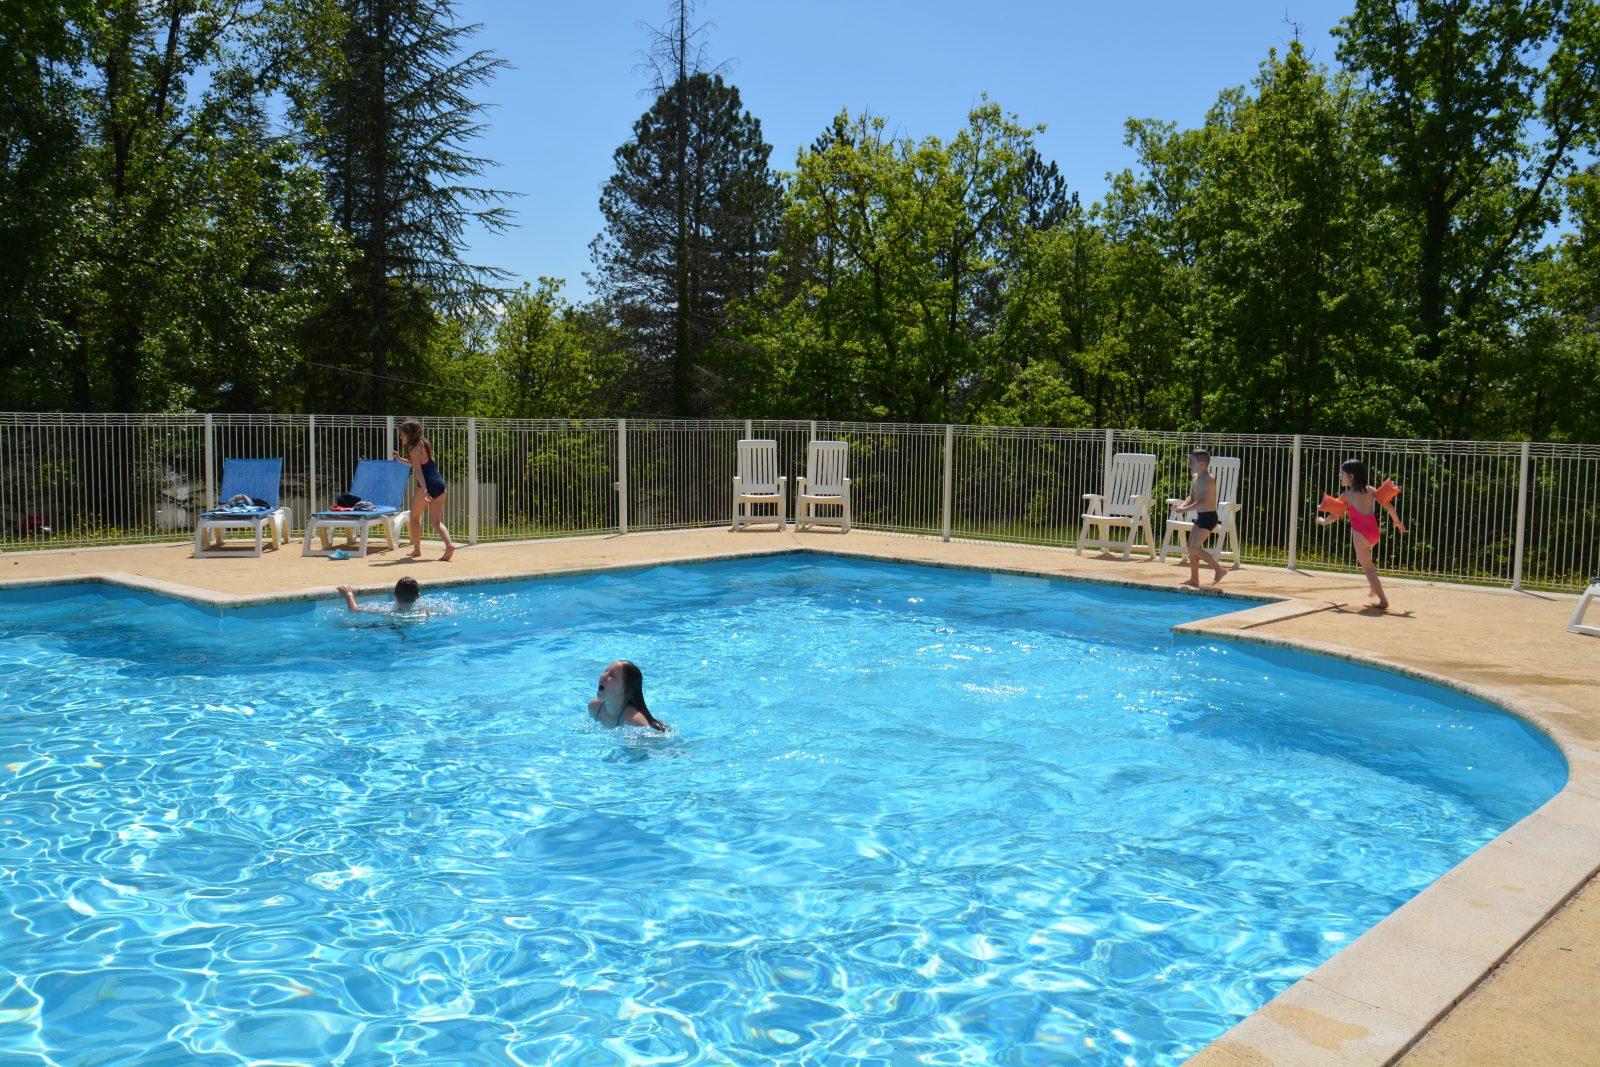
1333	506
1386	492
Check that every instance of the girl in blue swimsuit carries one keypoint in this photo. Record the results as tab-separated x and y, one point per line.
415	450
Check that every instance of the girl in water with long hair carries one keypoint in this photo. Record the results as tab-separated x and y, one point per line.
1363	514
620	701
415	450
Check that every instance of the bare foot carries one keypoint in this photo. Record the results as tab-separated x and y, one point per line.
448	553
1192	583
1221	573
415	553
1383	603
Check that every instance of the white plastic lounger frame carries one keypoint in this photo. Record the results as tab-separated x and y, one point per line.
1125	505
1578	626
758	482
825	485
258	479
1225	469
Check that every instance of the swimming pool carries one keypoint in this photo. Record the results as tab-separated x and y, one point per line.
908	814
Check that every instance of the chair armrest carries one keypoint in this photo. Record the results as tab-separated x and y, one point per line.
1143	501
736	483
1096	501
800	485
783	480
1174	501
847	483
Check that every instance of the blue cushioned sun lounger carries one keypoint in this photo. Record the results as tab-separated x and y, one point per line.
258	479
380	482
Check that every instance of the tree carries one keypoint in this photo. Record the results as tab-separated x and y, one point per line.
1298	329
547	359
895	251
1484	106
43	178
689	217
392	124
165	241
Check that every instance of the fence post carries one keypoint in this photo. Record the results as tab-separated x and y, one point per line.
949	450
1105	474
622	475
747	429
813	429
1522	520
211	464
472	481
311	468
388	423
1294	504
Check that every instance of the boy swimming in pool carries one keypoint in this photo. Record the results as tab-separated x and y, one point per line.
406	593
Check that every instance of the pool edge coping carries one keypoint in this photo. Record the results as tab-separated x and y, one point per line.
1375	999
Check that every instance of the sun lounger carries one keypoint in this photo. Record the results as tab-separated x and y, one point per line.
257	479
380	482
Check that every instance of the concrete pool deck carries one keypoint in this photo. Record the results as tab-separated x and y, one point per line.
1496	962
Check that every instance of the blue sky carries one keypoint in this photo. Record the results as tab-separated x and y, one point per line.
1079	68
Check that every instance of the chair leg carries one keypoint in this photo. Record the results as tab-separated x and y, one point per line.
844	524
1083	535
1577	625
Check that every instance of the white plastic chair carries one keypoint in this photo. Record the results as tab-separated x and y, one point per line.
825	485
1125	505
1578	626
758	482
1225	469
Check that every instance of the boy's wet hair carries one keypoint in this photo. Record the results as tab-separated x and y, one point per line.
406	591
1200	453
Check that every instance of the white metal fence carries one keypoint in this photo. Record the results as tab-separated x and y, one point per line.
1525	515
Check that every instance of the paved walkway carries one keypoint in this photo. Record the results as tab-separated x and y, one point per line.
1541	1005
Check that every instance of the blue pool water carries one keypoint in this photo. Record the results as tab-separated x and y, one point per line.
906	815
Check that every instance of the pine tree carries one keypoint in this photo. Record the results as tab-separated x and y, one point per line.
393	124
689	216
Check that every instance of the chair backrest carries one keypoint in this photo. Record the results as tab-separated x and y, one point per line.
758	466
827	466
1225	469
1132	474
382	481
257	479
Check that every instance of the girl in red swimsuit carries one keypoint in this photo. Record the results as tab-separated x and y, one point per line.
1363	513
